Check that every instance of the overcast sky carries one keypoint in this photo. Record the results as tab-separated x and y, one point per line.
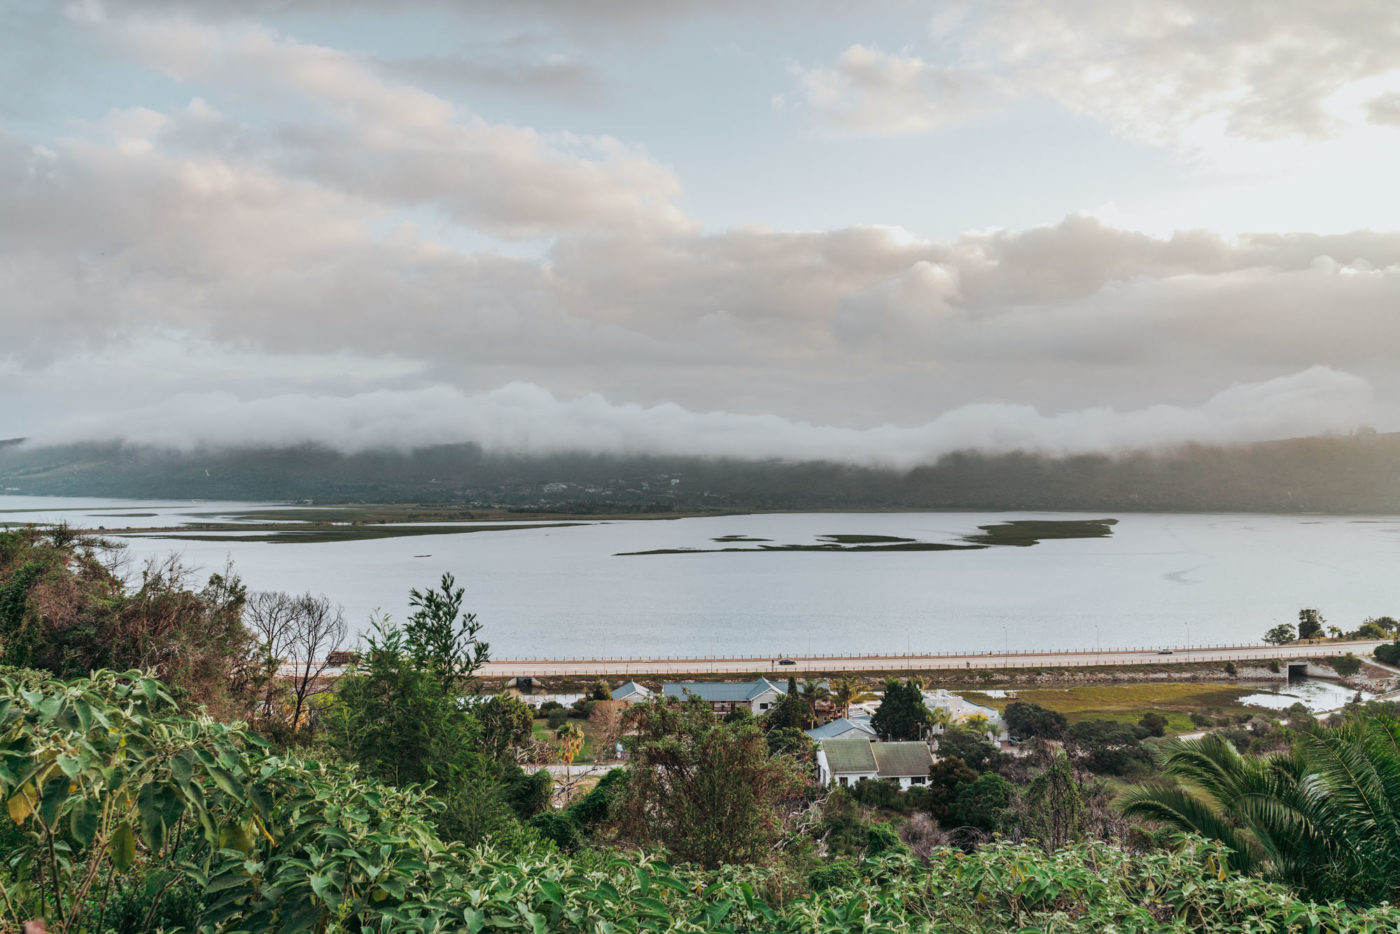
874	231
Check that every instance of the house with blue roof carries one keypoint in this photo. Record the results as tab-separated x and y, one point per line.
844	728
723	696
632	693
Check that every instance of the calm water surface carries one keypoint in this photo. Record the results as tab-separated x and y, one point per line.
1158	580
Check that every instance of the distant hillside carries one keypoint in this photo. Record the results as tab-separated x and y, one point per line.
1352	474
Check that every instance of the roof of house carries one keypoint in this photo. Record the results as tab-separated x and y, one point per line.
720	690
887	760
838	728
895	759
629	689
844	756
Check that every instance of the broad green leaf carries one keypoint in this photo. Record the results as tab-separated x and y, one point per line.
123	850
55	792
48	707
152	821
83	820
228	783
72	766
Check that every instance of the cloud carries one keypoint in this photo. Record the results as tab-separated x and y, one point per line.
563	76
305	214
1191	74
871	91
400	145
524	418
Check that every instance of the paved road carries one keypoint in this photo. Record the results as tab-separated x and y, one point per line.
582	667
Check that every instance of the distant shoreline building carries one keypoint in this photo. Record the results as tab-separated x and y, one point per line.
724	696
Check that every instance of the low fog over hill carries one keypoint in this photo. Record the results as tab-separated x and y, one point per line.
1346	474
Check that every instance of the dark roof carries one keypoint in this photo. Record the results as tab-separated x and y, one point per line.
899	759
845	756
888	760
719	690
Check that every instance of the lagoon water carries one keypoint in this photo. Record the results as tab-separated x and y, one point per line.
1158	580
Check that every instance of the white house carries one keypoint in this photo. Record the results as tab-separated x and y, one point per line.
847	761
960	709
632	693
724	696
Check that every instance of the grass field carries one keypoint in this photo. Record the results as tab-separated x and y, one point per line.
1126	703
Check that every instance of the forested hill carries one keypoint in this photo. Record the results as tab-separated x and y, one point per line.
1350	474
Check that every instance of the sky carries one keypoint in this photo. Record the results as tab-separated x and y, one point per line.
873	232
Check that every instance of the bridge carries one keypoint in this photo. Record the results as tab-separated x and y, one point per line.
825	664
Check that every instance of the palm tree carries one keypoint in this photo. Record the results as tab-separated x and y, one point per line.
843	691
814	692
978	724
939	717
570	743
1324	817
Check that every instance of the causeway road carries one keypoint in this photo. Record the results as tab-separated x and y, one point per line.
803	664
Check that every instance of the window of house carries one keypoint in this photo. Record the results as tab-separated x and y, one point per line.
917	780
762	706
843	780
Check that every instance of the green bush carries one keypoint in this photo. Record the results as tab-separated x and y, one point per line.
559	829
582	708
1388	653
838	874
557	719
1346	666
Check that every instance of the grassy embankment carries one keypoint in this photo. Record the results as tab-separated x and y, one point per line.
1126	703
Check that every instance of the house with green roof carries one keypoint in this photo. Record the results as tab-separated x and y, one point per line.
847	761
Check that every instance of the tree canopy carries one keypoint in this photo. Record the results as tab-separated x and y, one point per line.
902	714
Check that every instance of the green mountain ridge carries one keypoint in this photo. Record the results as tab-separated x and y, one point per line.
1337	474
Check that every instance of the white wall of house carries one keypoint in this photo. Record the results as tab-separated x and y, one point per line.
764	702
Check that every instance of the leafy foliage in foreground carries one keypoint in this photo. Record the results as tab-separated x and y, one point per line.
127	815
1323	816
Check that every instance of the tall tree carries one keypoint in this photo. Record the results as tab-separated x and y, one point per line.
1024	721
1054	807
393	714
1310	623
570	739
443	638
790	712
708	791
814	694
902	714
843	692
506	725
